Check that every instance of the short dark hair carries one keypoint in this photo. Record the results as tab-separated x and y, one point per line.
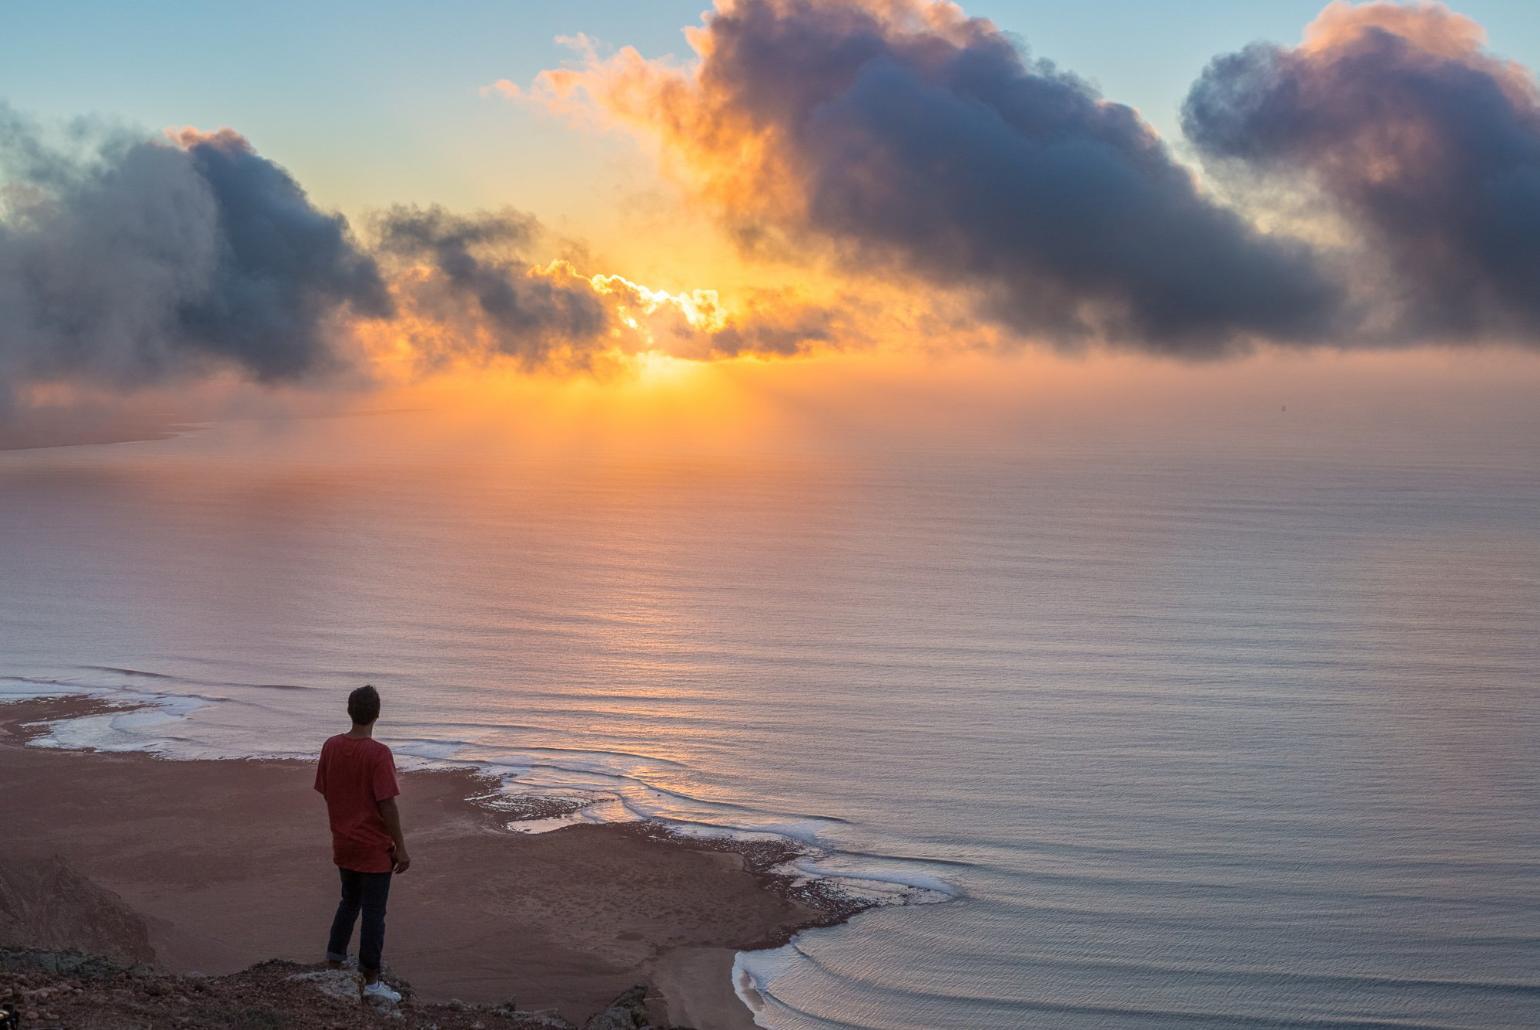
364	705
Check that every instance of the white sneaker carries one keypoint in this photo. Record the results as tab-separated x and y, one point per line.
381	991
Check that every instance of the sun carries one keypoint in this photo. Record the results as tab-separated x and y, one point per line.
658	369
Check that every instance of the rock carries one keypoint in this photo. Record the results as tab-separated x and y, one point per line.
627	1012
334	983
547	1019
69	989
46	903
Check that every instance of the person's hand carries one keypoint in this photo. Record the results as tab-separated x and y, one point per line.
403	861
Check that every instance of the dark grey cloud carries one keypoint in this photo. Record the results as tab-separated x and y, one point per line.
284	266
1426	146
126	261
907	135
482	287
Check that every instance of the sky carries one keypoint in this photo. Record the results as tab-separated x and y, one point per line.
330	89
582	190
377	103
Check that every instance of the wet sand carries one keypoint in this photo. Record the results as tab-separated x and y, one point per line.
219	865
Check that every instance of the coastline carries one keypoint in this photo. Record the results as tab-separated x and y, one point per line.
219	865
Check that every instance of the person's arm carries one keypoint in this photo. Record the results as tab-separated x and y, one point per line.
392	817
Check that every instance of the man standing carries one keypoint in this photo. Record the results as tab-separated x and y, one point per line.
357	776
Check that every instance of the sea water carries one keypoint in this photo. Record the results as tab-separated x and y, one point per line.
1131	729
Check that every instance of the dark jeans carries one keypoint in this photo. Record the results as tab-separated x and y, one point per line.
366	891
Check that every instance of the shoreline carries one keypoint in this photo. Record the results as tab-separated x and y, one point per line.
220	864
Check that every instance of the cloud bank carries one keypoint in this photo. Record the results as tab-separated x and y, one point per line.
902	134
470	278
1426	145
128	261
469	289
918	151
141	261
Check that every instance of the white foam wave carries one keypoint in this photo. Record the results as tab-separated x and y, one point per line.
888	879
751	973
135	728
755	972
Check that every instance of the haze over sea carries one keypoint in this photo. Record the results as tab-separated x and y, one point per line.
1189	721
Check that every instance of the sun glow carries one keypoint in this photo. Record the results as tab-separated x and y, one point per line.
628	329
655	368
701	309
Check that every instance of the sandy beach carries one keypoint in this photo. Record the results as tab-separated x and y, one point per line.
211	867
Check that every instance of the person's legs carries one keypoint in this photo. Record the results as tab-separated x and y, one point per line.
375	890
347	913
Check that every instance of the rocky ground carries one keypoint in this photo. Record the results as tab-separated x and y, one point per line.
41	990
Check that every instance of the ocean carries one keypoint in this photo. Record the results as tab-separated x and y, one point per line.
1131	726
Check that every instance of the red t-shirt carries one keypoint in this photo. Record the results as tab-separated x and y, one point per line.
355	774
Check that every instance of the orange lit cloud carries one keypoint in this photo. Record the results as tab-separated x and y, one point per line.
503	88
904	139
1431	26
467	291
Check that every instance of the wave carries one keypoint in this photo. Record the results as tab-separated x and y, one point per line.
755	972
906	881
145	674
956	863
20	688
138	673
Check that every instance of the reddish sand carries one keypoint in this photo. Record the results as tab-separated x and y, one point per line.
225	864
